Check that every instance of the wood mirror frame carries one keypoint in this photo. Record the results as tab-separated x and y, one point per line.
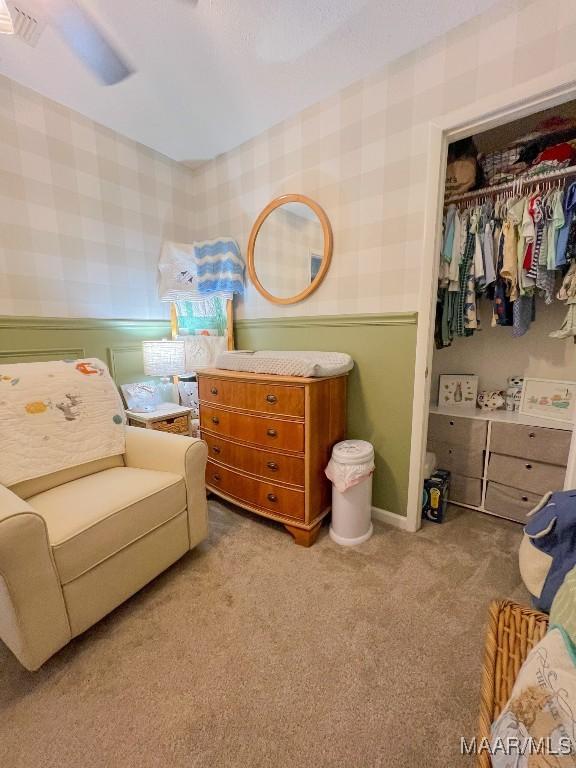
326	257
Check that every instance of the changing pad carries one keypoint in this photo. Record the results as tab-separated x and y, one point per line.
306	364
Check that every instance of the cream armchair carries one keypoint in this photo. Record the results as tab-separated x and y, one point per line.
77	543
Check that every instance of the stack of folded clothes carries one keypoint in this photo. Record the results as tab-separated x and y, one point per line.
549	147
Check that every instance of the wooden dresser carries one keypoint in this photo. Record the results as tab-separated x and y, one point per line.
269	440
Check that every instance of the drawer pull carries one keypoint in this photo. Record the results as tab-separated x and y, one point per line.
215	449
451	423
216	478
215	420
532	434
213	390
273	466
528	466
271	432
272	398
272	497
524	498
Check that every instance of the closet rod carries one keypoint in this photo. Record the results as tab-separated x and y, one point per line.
519	184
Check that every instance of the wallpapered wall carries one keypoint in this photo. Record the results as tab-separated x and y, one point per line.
83	212
361	155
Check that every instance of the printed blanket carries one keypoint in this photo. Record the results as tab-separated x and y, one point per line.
56	415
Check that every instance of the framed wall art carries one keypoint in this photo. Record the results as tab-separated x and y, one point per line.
549	399
457	391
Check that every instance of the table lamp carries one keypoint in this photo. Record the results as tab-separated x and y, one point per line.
165	358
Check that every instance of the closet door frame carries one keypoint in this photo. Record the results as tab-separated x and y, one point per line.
541	93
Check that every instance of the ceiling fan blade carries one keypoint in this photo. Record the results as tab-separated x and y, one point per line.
88	42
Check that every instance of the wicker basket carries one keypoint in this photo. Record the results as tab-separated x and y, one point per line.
513	630
178	425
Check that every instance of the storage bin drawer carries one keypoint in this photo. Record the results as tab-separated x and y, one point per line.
286	502
466	490
533	476
459	459
538	443
259	430
458	430
510	502
278	399
273	466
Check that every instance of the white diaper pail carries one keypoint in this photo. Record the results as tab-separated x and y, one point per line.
350	470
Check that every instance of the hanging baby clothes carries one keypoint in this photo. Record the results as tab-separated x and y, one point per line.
509	249
502	306
465	310
567	293
489	267
569	208
556	220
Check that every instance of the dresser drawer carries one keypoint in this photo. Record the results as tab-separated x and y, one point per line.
287	502
459	459
278	399
458	430
259	430
256	461
532	476
466	490
510	502
539	443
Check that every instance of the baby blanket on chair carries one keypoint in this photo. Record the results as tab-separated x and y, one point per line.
56	415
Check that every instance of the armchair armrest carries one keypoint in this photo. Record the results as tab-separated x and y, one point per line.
185	456
33	618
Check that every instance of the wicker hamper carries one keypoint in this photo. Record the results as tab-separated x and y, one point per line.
513	630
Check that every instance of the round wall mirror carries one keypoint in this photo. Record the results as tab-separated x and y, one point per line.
290	248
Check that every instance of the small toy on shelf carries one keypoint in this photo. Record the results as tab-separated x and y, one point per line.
491	400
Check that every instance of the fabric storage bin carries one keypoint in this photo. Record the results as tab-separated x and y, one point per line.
533	476
456	458
466	490
469	433
510	502
538	443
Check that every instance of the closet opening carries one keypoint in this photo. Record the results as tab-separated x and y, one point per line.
503	375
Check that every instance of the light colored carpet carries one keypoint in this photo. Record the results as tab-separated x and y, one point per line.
252	651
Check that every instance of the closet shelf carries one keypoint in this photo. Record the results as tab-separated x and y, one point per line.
510	186
509	417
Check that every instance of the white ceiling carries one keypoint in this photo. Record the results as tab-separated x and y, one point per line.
212	76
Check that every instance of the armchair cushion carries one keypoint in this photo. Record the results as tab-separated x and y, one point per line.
94	517
151	449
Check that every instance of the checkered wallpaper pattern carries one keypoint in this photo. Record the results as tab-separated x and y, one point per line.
361	155
83	212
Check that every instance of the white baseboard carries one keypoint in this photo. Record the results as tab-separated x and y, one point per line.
397	521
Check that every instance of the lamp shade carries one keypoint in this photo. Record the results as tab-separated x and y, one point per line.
163	358
6	25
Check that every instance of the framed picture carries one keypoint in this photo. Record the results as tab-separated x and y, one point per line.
457	391
549	399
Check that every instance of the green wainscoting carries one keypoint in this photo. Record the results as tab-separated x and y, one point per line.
117	342
381	384
380	393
